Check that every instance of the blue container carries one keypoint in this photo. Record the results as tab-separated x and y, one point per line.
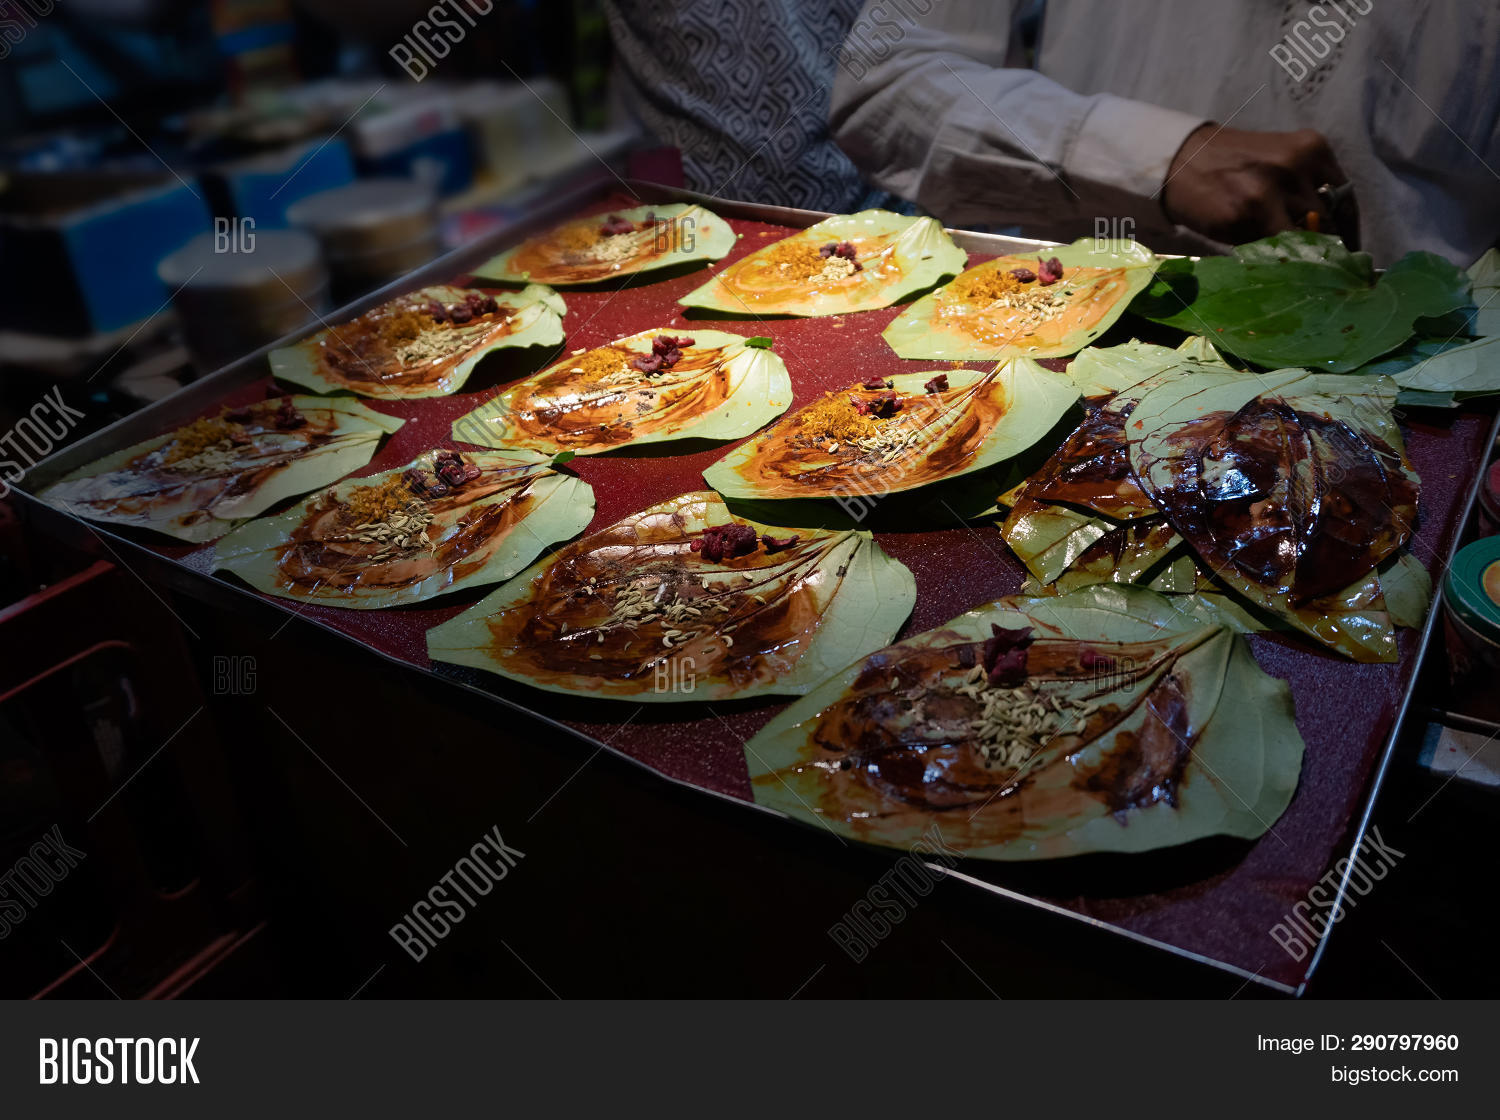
445	160
90	267
262	187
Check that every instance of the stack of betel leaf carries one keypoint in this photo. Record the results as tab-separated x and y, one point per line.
1303	299
1280	498
1275	490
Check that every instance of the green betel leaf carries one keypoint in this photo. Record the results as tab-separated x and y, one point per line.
896	255
237	468
1407	588
1302	299
580	252
978	420
1290	486
1128	725
1485	277
1100	371
662	606
1469	370
431	357
587	403
972	319
760	342
481	532
1416	398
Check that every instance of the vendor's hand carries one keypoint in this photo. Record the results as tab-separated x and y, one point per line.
1234	185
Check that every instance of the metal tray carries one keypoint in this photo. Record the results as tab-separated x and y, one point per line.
1214	902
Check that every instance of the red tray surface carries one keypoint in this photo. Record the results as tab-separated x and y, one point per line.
1219	901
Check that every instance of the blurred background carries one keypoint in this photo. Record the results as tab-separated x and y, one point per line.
140	136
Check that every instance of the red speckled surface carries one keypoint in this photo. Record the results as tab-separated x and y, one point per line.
1215	899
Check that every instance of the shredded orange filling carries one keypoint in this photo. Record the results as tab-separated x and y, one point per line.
579	236
373	504
598	363
794	260
833	419
991	284
197	437
404	325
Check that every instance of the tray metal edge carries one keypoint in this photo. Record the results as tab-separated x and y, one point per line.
192	398
1398	728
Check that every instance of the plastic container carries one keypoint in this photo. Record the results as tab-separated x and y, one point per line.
231	303
521	132
372	231
1471	620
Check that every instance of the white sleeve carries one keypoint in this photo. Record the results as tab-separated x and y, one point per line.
941	109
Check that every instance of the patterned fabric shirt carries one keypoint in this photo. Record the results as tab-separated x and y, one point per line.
742	87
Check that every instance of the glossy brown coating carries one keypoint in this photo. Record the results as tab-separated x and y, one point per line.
899	745
1092	467
788	461
562	407
463	535
356	355
1135	546
1144	767
562	631
152	484
1300	504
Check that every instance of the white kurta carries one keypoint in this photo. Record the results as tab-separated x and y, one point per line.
935	102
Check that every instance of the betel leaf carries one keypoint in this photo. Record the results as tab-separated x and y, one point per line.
719	389
1416	398
562	458
1415	353
1471	369
760	342
577	252
1302	299
1147	729
1291	487
137	487
1484	274
980	420
960	321
481	532
647	609
1407	588
897	255
1102	370
353	357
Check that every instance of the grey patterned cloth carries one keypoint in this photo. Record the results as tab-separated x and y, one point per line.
742	87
